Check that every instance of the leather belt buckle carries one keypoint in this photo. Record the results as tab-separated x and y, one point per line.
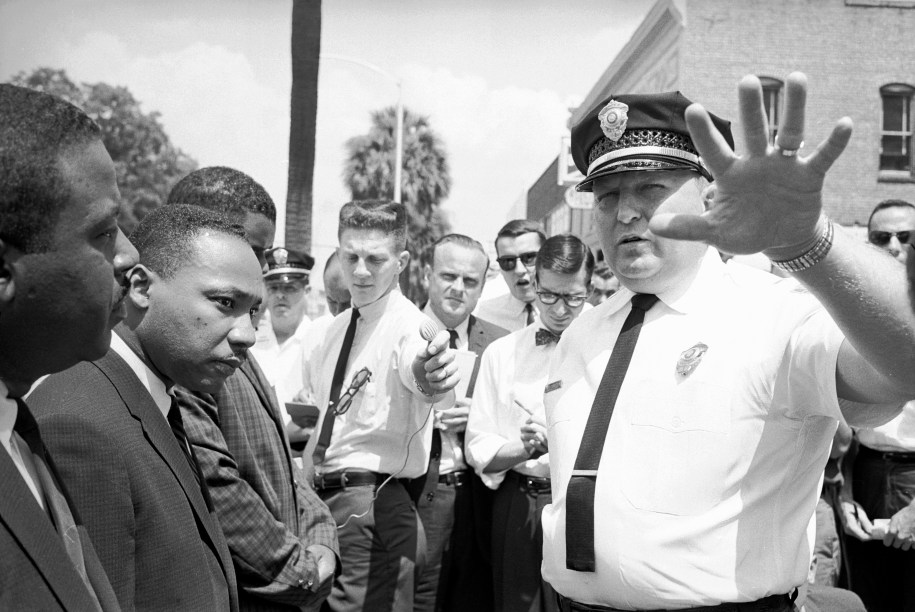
455	479
536	483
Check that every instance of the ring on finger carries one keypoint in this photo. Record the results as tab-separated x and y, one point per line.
788	152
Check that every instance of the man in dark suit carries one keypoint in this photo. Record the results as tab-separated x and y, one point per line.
453	504
116	429
62	266
281	535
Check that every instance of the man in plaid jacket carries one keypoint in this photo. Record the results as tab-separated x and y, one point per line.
281	535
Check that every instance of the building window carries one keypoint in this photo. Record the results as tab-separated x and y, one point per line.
772	93
896	130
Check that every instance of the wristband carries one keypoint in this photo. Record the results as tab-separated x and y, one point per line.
814	255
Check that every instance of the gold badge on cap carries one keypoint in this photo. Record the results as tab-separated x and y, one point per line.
281	256
613	119
690	358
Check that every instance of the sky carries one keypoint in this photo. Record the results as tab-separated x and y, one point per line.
495	78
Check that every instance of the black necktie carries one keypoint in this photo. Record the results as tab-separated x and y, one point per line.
327	428
176	422
545	336
580	494
436	433
529	310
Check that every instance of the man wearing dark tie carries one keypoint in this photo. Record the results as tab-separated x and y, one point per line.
115	427
691	414
517	244
282	537
453	504
62	266
375	377
506	432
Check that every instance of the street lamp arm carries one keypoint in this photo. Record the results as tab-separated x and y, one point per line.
398	136
364	64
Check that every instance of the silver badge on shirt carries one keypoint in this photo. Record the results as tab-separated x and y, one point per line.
691	358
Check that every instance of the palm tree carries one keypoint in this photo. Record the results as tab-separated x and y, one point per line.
369	174
306	51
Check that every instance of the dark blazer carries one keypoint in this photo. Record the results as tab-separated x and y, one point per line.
480	334
466	579
161	547
35	570
268	512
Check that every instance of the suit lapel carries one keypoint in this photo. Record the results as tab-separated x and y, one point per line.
476	342
157	431
39	540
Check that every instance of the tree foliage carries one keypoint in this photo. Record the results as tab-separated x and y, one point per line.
147	164
426	182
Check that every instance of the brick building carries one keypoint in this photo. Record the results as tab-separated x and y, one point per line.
859	57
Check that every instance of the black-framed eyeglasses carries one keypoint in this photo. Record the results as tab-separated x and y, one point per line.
572	301
883	238
507	262
346	400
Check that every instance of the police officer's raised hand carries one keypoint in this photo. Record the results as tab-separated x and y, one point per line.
769	197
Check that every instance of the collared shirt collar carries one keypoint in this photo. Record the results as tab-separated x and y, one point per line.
373	311
461	329
9	410
155	385
683	297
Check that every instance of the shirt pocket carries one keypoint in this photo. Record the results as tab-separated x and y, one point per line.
373	409
676	444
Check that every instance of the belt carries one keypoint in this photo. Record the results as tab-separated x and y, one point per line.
772	603
348	478
531	484
455	479
892	456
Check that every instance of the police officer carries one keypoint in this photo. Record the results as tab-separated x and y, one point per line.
722	381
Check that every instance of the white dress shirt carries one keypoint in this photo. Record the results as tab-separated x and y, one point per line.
17	448
504	310
513	372
150	380
452	458
282	363
708	481
388	427
894	436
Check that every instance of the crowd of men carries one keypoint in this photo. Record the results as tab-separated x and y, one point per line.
179	435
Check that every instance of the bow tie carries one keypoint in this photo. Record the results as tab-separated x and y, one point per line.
545	336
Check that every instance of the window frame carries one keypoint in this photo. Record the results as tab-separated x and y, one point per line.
907	133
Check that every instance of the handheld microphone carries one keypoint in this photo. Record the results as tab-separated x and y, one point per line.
428	329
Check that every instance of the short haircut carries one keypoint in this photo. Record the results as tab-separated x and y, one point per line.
887	204
460	240
565	254
381	215
165	237
36	130
519	227
224	190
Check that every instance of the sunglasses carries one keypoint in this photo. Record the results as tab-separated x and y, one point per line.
507	262
572	301
346	400
883	238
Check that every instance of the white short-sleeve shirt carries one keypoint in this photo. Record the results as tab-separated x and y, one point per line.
388	427
708	482
513	372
